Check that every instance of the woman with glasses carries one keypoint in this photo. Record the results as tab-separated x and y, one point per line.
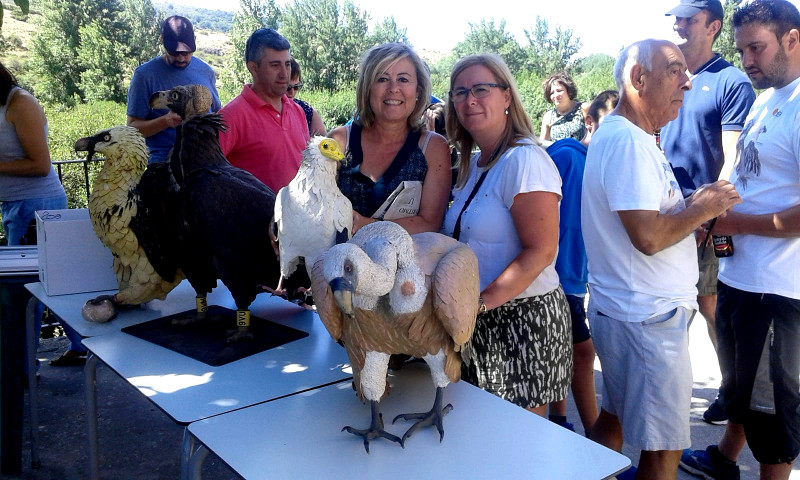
565	120
387	150
505	208
315	125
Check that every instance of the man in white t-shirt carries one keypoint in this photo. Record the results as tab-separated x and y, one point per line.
758	311
642	263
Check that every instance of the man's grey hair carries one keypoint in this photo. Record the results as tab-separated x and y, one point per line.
639	53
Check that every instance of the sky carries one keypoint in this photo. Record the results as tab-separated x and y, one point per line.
604	26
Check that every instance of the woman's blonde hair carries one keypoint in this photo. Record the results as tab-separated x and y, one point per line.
375	62
518	125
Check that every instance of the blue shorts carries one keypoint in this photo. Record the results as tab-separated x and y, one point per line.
647	376
19	214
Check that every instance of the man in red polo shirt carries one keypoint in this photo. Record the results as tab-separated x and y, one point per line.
267	131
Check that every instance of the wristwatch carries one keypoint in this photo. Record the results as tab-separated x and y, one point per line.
481	305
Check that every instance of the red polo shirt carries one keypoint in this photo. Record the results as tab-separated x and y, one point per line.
263	141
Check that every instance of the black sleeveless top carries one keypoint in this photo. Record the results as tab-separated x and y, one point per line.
367	196
307	110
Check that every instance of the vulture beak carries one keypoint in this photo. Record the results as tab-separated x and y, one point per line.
86	144
159	100
342	289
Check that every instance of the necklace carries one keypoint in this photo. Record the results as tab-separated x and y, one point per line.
705	68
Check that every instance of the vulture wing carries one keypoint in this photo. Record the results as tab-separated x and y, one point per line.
157	218
455	286
332	317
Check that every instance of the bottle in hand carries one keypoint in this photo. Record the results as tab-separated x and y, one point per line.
723	245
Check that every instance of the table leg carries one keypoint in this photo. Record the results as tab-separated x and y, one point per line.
187	451
90	384
33	388
197	462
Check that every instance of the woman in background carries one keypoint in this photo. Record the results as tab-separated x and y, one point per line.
565	120
28	181
315	125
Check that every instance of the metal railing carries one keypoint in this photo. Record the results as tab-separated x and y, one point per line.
58	164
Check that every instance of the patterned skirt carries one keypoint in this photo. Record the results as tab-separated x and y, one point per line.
522	350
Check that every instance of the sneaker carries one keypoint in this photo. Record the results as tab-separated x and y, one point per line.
566	425
716	414
701	463
70	358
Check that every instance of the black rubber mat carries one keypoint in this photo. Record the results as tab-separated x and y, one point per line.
206	340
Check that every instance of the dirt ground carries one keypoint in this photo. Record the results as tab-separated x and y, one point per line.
137	440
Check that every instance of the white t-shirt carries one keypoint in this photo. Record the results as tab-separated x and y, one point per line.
487	226
625	170
767	176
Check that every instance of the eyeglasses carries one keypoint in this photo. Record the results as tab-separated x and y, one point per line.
296	87
178	54
479	90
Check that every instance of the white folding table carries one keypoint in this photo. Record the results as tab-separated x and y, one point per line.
186	389
485	437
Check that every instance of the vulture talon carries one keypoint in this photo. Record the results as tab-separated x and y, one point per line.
434	416
375	429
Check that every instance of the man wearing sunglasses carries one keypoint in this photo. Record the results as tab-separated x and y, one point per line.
175	67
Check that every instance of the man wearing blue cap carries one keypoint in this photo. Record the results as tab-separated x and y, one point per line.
701	143
175	67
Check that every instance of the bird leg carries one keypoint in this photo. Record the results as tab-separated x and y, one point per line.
432	417
375	429
200	314
243	324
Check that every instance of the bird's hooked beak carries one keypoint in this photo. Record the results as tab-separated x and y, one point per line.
342	289
331	149
160	99
87	144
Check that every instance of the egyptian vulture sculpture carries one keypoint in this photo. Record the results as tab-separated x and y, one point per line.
386	292
311	213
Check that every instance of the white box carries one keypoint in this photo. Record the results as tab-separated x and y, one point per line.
71	257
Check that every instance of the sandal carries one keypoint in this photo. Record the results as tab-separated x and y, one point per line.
70	358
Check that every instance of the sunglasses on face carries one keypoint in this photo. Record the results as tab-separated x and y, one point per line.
179	54
479	90
296	87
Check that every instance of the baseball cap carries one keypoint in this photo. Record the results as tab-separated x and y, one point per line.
690	8
178	34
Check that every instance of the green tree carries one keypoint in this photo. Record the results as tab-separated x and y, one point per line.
84	49
546	53
22	4
252	15
485	37
725	44
143	33
326	41
387	31
594	74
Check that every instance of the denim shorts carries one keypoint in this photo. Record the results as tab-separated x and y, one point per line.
647	376
19	214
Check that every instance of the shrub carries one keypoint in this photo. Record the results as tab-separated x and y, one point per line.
66	125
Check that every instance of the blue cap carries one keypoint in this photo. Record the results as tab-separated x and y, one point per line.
690	8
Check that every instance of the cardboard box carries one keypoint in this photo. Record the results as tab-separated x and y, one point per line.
71	257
